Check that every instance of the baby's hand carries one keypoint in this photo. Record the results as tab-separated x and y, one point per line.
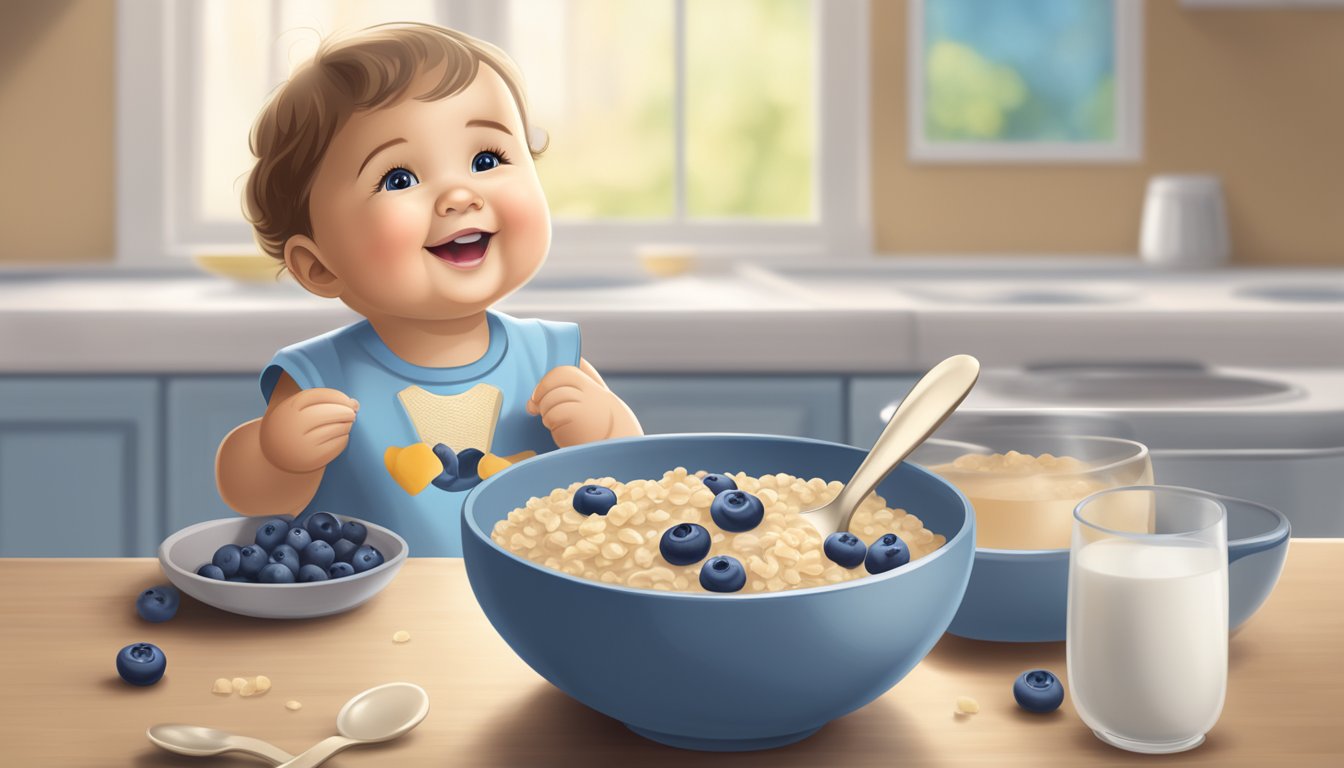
308	429
578	409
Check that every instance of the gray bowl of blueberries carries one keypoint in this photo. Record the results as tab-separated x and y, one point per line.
277	568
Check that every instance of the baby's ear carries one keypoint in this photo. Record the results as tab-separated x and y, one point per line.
305	264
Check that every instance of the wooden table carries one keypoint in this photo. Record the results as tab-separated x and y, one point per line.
62	622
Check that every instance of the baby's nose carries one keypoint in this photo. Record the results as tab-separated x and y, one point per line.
460	198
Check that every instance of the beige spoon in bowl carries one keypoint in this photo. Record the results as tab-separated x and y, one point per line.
378	714
930	402
200	741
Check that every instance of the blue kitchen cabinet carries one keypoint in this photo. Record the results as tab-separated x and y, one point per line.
201	411
805	406
78	466
868	395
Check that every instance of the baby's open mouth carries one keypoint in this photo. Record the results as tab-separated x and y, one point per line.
463	251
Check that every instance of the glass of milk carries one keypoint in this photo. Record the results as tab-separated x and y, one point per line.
1147	616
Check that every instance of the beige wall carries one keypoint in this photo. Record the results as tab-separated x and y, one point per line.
57	146
1254	96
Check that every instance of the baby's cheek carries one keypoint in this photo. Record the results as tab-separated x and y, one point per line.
392	235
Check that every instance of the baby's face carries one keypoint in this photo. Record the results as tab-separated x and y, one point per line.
431	210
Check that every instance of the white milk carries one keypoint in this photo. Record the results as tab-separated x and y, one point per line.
1147	637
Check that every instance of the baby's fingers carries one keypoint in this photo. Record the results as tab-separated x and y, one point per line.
326	413
309	398
325	432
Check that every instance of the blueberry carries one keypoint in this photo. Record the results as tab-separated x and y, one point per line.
344	549
141	663
846	549
312	572
254	558
228	558
318	553
158	603
736	511
594	500
210	571
287	556
323	526
886	553
272	533
684	544
366	558
719	483
340	570
298	538
723	574
354	532
1038	691
275	573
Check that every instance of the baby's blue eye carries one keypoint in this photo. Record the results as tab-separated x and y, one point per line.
399	178
484	161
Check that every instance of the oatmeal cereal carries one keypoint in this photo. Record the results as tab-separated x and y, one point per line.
779	550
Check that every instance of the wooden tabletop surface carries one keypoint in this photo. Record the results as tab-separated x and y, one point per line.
62	622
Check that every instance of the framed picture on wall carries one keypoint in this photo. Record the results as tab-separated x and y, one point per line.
1025	81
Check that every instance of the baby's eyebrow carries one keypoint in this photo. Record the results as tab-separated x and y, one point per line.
489	124
376	150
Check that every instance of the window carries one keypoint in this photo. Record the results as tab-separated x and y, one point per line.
733	127
1025	80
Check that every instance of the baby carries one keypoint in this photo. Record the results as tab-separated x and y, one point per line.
394	172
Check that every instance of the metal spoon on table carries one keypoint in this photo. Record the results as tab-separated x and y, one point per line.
924	409
378	714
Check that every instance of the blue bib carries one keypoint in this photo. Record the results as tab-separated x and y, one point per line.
355	361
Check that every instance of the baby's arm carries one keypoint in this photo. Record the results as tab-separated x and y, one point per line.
273	465
577	407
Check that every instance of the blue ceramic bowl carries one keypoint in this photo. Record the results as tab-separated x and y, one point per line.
718	672
1021	596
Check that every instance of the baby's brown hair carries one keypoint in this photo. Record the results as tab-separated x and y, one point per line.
347	75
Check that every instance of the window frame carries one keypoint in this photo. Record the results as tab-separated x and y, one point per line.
156	191
1127	147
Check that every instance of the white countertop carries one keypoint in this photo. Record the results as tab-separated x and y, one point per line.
887	317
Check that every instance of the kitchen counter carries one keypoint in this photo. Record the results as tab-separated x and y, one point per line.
64	620
876	316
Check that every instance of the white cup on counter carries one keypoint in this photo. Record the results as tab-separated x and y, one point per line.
1184	222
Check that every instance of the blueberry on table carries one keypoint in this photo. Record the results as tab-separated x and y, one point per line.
288	557
254	558
344	549
845	549
275	573
141	663
210	571
272	534
158	603
723	574
684	544
228	558
1038	691
323	526
340	570
312	572
719	483
354	532
319	553
594	500
299	539
736	511
886	553
366	558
